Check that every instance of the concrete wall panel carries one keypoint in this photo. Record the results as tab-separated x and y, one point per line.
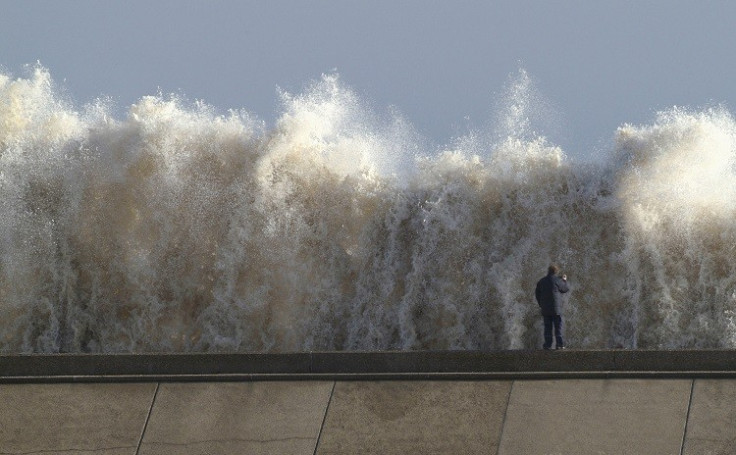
711	428
623	416
231	418
75	419
403	417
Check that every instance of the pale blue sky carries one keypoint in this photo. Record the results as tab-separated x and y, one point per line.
598	63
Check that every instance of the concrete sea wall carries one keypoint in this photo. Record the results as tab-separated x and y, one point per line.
515	402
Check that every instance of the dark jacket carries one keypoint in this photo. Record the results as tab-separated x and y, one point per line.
549	294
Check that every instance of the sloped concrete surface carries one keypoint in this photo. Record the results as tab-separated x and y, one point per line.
75	419
621	416
232	418
711	427
423	417
676	403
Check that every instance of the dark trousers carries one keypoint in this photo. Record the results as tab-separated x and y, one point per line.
555	321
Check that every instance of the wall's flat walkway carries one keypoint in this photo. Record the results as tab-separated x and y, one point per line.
464	365
515	415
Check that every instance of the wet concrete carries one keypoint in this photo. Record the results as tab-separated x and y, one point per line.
401	417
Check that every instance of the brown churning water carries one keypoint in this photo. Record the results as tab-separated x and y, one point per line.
177	229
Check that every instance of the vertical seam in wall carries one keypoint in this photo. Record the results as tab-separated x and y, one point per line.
503	422
687	417
324	418
148	417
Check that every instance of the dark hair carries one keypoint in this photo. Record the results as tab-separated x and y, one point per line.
553	269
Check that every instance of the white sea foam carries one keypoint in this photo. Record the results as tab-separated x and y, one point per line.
178	229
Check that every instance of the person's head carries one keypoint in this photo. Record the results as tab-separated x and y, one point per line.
553	269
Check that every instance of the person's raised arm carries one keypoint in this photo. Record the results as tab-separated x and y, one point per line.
562	284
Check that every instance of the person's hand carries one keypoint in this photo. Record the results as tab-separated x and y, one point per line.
564	277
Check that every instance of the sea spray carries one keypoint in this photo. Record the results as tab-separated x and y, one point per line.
677	190
178	229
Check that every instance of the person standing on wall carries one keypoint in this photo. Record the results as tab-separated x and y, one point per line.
550	297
